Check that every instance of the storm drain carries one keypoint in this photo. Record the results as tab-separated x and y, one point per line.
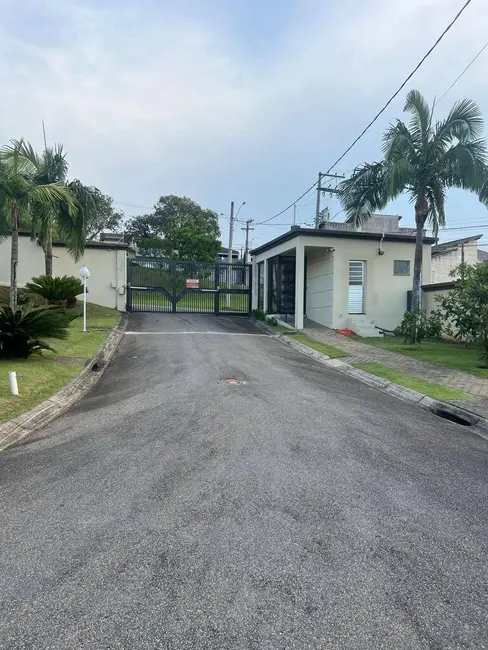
454	415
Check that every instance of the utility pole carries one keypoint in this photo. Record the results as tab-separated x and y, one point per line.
247	229
229	253
320	190
231	233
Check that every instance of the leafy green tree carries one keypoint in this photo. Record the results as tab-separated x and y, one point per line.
465	307
182	229
20	191
104	217
424	160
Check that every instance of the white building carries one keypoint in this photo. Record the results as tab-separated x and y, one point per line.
340	276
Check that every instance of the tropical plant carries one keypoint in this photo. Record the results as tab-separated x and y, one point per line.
424	160
21	329
61	291
19	192
70	224
465	307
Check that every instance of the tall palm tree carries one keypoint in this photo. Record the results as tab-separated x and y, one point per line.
19	191
424	160
69	224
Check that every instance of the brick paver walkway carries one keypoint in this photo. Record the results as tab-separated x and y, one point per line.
362	353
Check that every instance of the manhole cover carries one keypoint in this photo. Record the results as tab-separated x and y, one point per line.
235	382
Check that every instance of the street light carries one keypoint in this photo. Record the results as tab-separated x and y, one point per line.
85	274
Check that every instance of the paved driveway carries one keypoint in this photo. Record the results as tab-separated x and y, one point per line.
299	510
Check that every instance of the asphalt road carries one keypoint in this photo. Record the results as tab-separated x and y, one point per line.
298	510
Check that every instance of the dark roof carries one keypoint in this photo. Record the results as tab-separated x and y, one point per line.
439	286
448	245
88	244
225	251
347	234
482	255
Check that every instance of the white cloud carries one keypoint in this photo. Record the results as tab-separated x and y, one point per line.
150	100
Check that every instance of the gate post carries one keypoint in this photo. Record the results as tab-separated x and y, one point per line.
249	287
128	288
217	289
173	286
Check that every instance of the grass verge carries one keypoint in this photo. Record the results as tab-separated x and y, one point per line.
40	376
329	350
445	354
436	391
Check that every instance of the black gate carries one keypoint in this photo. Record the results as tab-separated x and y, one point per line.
159	285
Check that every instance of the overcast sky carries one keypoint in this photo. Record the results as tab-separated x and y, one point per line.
220	100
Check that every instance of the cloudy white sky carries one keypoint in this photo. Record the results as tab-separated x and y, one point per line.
220	100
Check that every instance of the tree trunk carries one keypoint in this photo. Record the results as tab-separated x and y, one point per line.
421	212
48	250
14	256
417	267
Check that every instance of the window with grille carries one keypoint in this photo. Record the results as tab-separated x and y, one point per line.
401	267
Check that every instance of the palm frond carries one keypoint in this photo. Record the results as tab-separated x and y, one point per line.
465	165
436	196
51	195
400	173
398	141
364	192
464	123
54	164
416	105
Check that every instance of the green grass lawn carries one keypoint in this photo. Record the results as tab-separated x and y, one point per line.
204	302
329	350
436	391
445	354
41	375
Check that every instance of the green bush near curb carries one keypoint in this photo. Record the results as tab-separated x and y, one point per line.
40	376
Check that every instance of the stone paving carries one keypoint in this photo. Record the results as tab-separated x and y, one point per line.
362	353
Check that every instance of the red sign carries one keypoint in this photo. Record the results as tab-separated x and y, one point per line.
192	284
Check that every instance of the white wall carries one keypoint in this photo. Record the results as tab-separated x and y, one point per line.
444	263
385	298
385	294
320	286
108	268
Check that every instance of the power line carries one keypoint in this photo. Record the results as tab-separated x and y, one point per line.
403	84
462	73
289	206
429	52
132	205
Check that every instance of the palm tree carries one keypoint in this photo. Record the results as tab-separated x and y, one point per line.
423	160
19	192
52	167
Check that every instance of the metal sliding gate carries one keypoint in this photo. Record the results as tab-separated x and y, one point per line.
161	285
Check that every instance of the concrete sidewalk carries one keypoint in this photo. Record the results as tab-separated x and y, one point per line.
363	353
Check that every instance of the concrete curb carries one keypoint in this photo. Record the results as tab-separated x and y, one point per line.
443	409
23	425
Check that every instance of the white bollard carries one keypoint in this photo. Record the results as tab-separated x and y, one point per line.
12	382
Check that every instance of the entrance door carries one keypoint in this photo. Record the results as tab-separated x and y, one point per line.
356	287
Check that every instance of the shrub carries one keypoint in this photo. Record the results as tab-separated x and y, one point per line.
57	291
258	314
20	330
465	307
415	326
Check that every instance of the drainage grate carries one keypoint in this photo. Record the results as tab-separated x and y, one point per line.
454	415
234	382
